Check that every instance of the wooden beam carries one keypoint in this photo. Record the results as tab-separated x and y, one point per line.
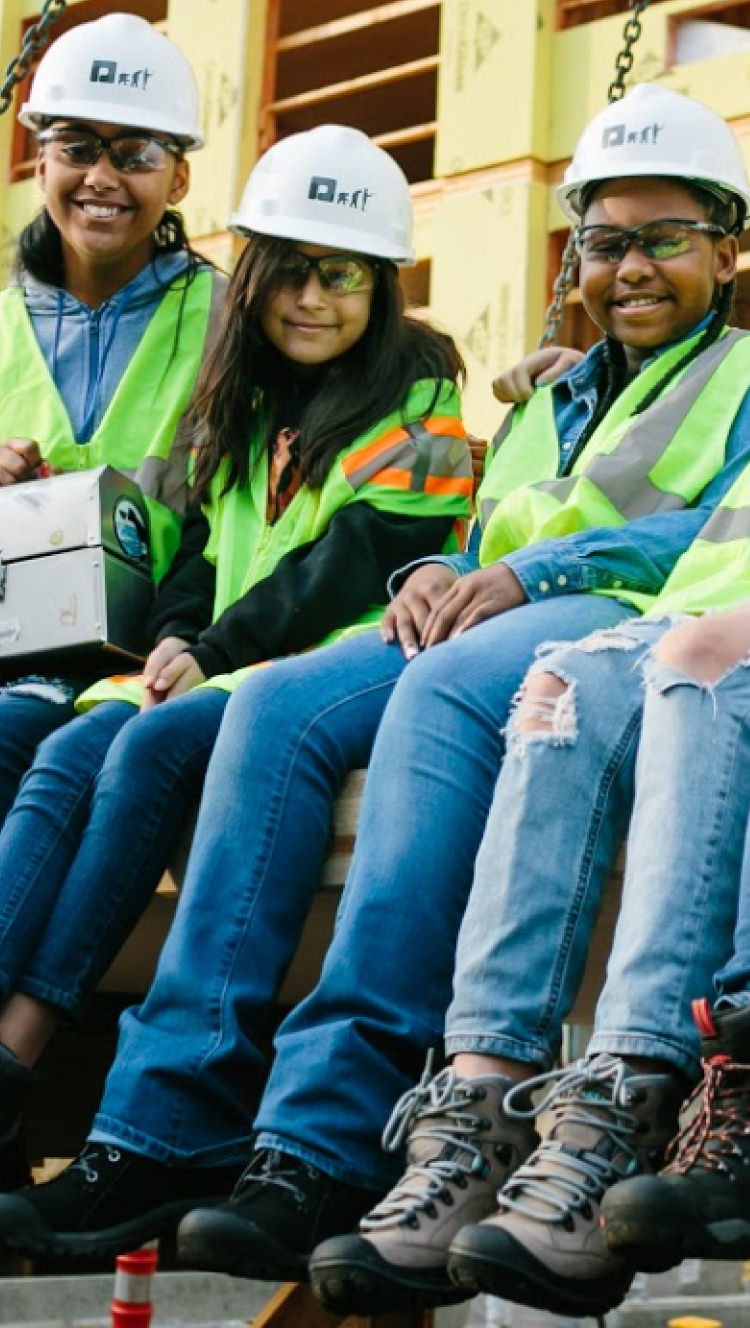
397	138
294	1306
341	27
380	78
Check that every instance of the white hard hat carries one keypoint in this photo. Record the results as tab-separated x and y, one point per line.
120	70
655	131
331	186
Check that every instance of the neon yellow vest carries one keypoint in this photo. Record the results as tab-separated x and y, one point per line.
409	462
137	430
632	466
714	572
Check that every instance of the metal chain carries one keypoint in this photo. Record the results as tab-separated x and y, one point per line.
35	38
569	261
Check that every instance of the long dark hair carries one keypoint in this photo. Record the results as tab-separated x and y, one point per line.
727	212
40	250
245	381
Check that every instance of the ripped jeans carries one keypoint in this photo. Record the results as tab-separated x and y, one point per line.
560	810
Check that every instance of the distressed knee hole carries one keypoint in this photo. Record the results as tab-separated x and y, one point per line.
546	709
699	655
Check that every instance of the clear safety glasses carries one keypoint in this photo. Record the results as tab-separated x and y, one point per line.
129	153
338	273
658	240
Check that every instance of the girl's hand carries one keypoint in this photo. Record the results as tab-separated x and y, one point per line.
169	672
19	458
473	599
519	383
406	615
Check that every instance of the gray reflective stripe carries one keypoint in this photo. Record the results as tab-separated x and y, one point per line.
622	475
620	478
166	478
486	508
727	524
420	452
447	454
501	434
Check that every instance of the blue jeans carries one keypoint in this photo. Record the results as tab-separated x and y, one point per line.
96	821
561	808
24	721
720	720
180	1084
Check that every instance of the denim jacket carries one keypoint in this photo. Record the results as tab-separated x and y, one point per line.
639	554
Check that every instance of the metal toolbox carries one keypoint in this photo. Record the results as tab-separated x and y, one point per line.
75	566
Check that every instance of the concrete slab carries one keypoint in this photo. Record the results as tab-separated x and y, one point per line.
184	1298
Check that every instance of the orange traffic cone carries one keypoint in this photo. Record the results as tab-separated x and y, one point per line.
131	1304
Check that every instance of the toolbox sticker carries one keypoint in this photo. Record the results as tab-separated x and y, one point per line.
131	529
10	631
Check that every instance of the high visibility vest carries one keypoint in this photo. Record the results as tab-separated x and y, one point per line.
137	434
632	466
714	572
409	462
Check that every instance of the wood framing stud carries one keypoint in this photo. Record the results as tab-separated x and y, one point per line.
294	1306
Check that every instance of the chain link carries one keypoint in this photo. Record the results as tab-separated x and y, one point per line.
564	280
35	38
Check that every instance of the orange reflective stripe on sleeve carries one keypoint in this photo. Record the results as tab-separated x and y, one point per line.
362	459
425	457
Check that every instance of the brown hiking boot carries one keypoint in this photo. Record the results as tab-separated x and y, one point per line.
461	1146
699	1204
599	1122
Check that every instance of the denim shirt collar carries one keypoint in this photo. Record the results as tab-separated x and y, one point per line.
583	380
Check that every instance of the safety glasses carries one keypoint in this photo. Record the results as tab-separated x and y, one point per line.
658	240
338	273
129	153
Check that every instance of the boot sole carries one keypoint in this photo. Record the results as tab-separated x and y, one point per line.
358	1287
650	1251
523	1279
102	1246
220	1242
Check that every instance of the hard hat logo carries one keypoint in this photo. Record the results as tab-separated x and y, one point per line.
324	189
105	71
615	135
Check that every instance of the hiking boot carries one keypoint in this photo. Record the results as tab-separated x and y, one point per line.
699	1204
544	1247
461	1146
282	1206
15	1083
107	1201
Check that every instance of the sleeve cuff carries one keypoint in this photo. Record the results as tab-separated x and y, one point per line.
460	563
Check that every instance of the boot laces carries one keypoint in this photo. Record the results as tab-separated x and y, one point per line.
709	1141
561	1179
434	1111
271	1167
91	1161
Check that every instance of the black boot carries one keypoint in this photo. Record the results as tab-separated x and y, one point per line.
108	1201
281	1209
699	1204
15	1082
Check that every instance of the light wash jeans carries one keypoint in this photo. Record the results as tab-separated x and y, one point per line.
561	808
181	1083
